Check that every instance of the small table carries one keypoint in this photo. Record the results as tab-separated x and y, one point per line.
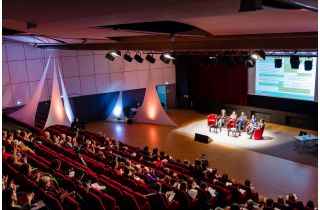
304	141
234	132
215	128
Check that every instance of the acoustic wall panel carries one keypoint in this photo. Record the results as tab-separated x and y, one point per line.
70	66
142	78
4	53
32	52
157	75
85	52
72	85
7	100
53	53
15	52
50	68
130	80
18	71
130	66
86	65
35	69
5	74
21	93
100	64
88	85
169	76
116	81
67	53
103	83
116	65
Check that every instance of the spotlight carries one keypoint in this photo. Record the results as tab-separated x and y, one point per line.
127	57
277	63
170	55
116	53
138	58
212	60
150	58
112	54
250	5
110	57
294	61
164	59
308	65
258	55
250	63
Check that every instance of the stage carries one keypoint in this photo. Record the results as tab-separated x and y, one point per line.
271	164
277	141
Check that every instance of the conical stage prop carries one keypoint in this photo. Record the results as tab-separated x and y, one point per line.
117	112
151	110
57	114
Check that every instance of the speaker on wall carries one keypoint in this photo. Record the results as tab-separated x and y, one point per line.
202	138
308	65
294	61
278	63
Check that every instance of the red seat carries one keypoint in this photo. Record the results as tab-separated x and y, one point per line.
70	204
258	134
52	202
212	119
108	201
158	202
95	202
233	124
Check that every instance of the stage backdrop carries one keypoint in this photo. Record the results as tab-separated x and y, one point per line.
222	82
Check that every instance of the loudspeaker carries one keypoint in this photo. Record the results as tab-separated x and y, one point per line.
250	5
308	65
278	63
294	61
202	138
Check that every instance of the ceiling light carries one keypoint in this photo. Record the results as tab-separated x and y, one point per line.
170	55
138	58
116	53
308	65
164	59
250	63
150	58
110	57
127	57
258	55
294	61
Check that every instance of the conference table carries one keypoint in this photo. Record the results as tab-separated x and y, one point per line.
301	142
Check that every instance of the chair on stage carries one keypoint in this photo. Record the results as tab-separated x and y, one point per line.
257	134
212	119
232	125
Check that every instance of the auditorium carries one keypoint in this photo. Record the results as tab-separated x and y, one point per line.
160	105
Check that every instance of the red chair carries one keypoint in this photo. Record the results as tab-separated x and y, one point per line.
212	119
257	134
232	125
70	204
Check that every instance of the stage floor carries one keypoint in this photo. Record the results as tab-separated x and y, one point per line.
271	164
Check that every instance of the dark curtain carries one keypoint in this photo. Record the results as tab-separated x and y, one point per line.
224	82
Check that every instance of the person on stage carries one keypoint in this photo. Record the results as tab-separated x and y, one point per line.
253	121
260	125
241	122
222	118
232	118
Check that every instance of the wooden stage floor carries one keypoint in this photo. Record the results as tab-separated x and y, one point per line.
272	165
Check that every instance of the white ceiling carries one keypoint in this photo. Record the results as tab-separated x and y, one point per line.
71	20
